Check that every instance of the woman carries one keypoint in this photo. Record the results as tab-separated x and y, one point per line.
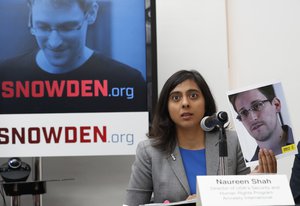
178	150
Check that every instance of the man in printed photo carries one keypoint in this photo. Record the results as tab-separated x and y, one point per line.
259	110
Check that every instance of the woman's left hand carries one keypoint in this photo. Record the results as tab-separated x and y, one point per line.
267	162
190	197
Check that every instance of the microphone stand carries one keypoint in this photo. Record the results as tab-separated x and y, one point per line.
222	119
223	152
208	124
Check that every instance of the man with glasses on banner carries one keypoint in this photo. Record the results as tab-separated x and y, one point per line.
259	110
64	75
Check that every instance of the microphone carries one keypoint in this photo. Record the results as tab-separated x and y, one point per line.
208	123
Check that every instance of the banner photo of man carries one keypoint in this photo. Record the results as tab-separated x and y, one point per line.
65	71
72	77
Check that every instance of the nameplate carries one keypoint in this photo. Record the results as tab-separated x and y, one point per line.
243	190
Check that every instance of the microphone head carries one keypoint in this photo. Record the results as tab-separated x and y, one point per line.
203	125
222	117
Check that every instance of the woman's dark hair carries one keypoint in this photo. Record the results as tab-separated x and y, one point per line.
163	129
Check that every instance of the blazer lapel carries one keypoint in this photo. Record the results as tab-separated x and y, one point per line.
212	160
176	164
212	153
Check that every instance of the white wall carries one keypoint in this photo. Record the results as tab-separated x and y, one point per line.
191	34
264	45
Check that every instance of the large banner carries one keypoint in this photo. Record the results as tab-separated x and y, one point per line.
72	77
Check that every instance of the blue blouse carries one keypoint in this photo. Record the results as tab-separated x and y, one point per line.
194	163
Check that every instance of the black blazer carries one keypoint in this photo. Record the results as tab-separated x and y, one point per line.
295	178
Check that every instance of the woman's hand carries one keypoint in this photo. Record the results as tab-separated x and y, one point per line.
190	197
267	162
